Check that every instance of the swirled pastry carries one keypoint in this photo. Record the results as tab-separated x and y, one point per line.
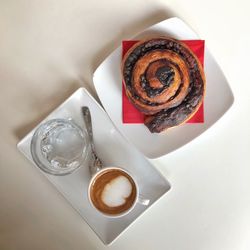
164	80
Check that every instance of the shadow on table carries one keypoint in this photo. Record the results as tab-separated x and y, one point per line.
131	30
45	106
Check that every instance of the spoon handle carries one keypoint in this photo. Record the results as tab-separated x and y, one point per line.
87	119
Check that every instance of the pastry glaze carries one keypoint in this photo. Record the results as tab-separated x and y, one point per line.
165	80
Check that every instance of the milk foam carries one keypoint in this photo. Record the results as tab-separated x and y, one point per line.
116	191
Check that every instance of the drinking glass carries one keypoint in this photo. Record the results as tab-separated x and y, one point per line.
59	146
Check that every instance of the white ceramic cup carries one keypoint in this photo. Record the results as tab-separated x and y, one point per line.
139	198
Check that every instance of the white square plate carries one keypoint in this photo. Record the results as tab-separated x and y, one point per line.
113	151
108	83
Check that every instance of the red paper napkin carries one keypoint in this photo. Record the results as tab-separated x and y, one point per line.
131	115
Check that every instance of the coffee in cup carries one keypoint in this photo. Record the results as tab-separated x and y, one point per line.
113	191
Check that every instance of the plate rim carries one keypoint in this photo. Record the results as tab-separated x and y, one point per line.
148	155
21	144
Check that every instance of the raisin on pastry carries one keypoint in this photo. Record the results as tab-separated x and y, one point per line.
164	80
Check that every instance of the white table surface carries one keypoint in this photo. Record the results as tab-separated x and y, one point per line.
50	48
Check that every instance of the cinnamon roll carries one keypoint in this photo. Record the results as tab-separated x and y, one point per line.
164	80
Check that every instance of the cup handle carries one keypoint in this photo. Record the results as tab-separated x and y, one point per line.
143	201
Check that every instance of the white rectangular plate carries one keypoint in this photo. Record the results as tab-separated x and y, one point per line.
108	83
113	151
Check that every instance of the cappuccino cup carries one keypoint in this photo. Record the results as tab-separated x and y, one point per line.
114	192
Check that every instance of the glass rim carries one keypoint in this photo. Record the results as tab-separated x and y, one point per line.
59	172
